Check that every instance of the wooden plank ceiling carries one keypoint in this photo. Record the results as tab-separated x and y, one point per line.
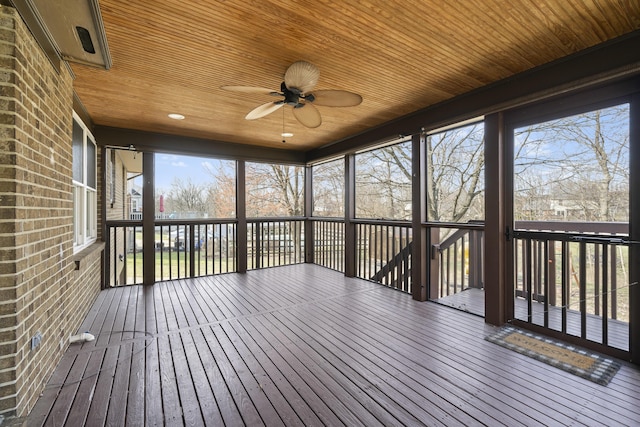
172	56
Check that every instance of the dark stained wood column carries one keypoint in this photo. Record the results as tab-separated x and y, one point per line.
349	215
241	214
634	229
309	238
148	219
498	207
419	252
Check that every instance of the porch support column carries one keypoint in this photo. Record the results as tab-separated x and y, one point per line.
241	215
497	218
148	220
309	238
634	229
418	215
349	215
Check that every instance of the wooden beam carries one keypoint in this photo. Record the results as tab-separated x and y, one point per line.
609	61
148	219
350	246
498	303
634	229
241	214
309	240
157	142
418	215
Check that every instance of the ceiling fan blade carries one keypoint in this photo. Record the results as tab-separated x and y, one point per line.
301	75
263	110
336	98
308	115
249	89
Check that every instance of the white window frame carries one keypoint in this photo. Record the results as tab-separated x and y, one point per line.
85	207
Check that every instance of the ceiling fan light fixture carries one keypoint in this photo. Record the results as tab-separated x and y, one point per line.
302	75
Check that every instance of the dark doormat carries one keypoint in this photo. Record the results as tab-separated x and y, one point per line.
578	361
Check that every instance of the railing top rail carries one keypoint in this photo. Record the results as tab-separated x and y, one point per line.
326	219
123	223
575	227
612	239
389	222
276	219
202	221
476	225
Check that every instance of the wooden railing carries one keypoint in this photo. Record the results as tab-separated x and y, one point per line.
329	243
199	247
194	248
457	259
123	253
383	252
573	278
182	249
273	242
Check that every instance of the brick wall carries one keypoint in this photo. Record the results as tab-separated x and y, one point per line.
40	291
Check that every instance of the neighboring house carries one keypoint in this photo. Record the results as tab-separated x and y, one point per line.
135	201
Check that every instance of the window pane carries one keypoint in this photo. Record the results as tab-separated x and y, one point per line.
91	226
574	168
78	157
78	213
455	174
383	182
328	189
91	164
274	190
192	187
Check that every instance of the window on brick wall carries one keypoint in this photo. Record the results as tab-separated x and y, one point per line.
84	186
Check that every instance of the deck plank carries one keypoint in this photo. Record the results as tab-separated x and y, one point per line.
292	387
222	395
304	345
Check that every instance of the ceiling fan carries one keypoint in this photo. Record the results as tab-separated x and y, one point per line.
297	91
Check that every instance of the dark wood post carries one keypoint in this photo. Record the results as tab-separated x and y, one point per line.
148	220
309	238
349	215
498	214
241	215
419	253
634	229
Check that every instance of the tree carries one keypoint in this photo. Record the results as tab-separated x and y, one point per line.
579	163
186	197
455	168
274	190
328	189
383	182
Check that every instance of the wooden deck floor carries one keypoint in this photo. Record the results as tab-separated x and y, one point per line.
303	345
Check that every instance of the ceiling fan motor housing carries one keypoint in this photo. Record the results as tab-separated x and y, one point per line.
291	95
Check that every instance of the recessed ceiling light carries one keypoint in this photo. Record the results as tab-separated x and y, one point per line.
287	134
176	116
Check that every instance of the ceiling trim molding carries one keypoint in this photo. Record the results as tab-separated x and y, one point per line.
607	62
175	144
29	15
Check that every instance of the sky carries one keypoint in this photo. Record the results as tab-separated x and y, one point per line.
196	169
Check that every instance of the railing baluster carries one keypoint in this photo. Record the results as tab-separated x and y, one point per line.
596	279
605	296
545	281
528	282
614	283
582	289
566	283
